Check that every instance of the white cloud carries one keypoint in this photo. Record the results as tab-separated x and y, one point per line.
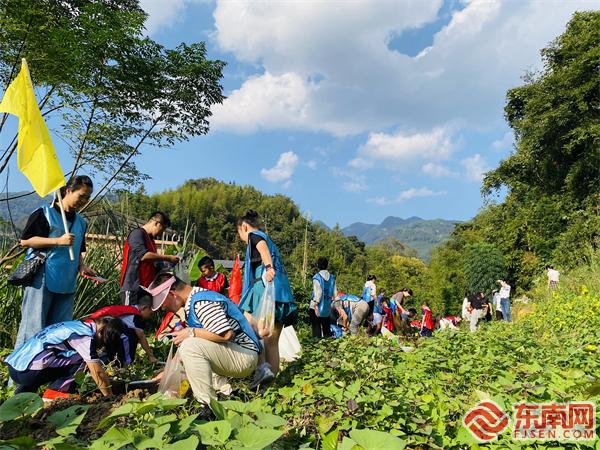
311	164
361	84
280	101
475	167
505	143
165	14
283	170
437	170
402	149
406	195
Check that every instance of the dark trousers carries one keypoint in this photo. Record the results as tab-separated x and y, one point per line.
320	325
499	315
60	378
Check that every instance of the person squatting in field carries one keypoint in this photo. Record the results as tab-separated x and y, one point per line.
55	354
218	338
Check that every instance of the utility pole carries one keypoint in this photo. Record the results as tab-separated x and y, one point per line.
305	256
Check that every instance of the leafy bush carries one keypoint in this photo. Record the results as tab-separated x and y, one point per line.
483	267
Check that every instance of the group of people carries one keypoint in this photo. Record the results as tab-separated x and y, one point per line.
214	336
332	312
477	306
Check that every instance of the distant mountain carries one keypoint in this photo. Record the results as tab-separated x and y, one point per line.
322	224
20	208
420	234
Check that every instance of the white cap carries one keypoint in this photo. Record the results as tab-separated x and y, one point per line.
159	292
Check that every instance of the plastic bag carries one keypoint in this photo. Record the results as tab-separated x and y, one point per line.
174	383
265	313
289	345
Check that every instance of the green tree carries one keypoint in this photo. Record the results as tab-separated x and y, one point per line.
484	265
107	87
555	118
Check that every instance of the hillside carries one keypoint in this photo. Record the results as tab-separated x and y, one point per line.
20	208
420	234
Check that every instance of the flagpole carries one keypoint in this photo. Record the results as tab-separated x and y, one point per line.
64	219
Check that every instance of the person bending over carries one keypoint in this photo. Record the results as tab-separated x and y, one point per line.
55	354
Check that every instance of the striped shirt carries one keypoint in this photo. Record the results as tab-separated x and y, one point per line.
213	317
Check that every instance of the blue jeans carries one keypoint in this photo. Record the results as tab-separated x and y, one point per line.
505	305
41	308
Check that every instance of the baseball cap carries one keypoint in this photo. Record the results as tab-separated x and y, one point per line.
159	292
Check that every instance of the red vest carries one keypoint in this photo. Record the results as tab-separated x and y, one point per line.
147	270
215	285
427	318
388	318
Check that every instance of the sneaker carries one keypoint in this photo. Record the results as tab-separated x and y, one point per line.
50	395
262	375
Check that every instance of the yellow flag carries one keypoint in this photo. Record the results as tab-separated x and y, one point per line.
36	156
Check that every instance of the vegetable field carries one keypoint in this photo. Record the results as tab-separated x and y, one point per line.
351	393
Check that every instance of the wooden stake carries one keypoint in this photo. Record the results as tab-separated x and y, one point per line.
64	219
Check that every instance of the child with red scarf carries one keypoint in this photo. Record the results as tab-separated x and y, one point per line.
427	324
388	316
212	280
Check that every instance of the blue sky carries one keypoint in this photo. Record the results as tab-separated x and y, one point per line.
358	109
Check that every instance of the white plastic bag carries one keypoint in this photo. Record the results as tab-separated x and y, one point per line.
289	345
174	383
265	313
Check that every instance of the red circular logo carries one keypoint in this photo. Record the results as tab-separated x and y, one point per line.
486	421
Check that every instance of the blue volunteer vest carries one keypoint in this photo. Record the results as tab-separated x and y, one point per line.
231	310
366	294
60	271
51	335
349	298
377	307
324	305
283	292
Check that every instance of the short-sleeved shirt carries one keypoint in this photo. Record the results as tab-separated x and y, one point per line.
505	291
37	225
255	258
84	346
553	275
137	249
213	318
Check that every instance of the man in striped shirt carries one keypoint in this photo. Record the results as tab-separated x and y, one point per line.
218	340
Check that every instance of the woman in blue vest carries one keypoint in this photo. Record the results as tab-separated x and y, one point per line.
56	353
263	262
49	298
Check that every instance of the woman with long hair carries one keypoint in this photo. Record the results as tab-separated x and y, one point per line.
264	265
55	354
49	297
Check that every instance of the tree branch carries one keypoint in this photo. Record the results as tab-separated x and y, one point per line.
122	166
84	140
